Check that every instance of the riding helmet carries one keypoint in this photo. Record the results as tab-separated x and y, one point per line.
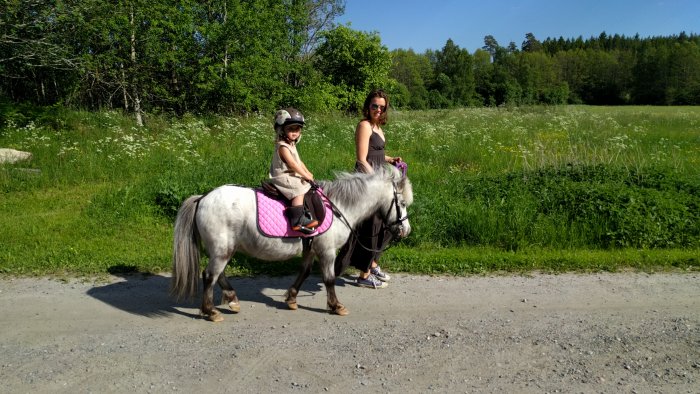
286	117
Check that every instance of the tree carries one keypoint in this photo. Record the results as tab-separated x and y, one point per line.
684	74
531	44
239	56
355	62
308	19
571	68
316	16
414	72
651	78
34	60
491	46
483	77
539	80
455	65
180	56
248	55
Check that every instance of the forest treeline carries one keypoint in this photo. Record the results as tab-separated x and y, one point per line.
603	70
239	56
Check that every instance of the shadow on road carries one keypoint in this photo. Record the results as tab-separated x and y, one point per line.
148	295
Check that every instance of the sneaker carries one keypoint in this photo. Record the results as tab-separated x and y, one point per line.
381	275
371	282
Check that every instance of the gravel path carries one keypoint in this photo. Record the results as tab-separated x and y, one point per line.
605	333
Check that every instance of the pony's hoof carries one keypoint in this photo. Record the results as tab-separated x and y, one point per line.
214	317
340	310
234	306
292	305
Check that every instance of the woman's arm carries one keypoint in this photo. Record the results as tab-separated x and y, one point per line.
363	132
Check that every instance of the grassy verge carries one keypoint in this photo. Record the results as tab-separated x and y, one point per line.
51	232
479	260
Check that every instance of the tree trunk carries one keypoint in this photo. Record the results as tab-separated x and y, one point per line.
124	92
224	74
137	100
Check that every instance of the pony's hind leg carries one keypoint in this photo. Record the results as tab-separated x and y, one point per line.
228	294
209	276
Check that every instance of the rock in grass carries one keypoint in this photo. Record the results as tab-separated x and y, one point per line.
13	156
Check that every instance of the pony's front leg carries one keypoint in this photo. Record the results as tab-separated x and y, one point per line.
209	276
328	271
307	260
228	294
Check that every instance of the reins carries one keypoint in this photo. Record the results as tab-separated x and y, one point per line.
337	212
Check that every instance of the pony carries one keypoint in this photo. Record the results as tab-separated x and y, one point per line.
223	222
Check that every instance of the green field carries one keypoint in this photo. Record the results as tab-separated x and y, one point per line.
570	188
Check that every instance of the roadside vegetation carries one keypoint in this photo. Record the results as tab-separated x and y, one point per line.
558	188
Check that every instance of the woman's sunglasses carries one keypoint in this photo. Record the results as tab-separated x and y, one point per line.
375	107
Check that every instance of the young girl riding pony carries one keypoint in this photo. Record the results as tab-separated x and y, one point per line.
288	173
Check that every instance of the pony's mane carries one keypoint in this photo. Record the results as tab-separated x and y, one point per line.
347	187
351	187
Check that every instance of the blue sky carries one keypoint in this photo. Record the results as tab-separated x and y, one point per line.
427	24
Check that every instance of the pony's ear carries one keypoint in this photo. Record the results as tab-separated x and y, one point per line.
406	189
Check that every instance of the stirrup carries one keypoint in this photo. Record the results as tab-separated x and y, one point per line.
304	229
306	224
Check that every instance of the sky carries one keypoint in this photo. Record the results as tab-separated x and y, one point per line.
428	24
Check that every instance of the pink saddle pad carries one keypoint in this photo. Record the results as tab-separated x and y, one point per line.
273	223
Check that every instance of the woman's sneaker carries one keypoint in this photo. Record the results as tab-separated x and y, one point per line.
371	282
381	275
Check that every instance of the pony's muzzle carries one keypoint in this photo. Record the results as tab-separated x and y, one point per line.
404	230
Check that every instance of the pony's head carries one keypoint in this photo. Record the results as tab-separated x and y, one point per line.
396	216
385	192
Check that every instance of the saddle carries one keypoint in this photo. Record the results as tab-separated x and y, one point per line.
272	222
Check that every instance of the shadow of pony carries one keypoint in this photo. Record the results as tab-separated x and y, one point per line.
148	295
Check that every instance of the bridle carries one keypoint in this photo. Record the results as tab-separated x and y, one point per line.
398	223
395	227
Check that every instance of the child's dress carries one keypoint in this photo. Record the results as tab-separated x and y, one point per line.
289	183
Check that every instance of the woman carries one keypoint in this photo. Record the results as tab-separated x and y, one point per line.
370	155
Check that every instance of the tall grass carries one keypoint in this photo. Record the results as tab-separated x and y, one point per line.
511	180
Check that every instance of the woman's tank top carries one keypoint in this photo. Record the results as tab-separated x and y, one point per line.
375	152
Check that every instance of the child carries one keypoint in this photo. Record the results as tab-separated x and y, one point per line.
288	173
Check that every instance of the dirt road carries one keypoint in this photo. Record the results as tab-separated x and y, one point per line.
542	333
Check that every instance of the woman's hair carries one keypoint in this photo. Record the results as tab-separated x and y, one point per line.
365	108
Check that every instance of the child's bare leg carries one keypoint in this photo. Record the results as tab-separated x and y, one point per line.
298	200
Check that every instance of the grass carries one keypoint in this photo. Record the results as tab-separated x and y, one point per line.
485	260
552	189
49	232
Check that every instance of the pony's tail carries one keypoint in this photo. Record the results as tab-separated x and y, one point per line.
185	275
